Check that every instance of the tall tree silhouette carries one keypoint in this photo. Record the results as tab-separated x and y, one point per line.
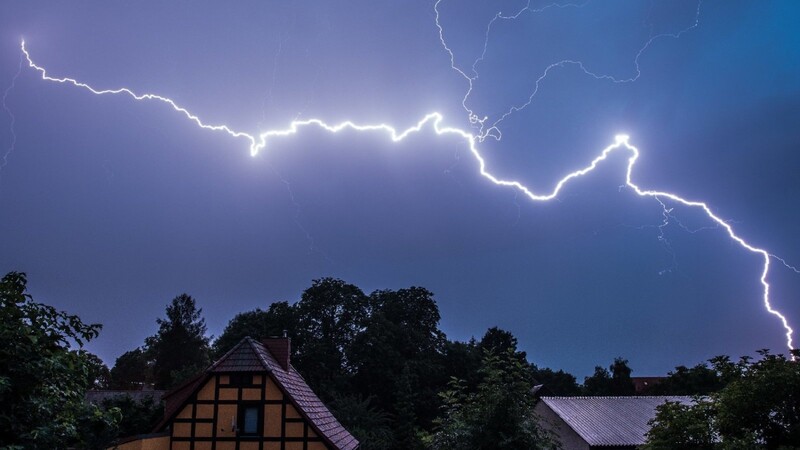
180	348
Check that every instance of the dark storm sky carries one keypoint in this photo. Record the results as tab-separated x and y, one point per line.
114	206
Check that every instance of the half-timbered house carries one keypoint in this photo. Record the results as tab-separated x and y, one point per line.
250	399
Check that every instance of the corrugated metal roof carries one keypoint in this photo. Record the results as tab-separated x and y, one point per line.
610	421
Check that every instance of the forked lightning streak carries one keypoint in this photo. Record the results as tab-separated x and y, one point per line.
434	121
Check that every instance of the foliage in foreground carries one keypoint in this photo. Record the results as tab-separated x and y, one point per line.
759	407
43	380
138	416
498	415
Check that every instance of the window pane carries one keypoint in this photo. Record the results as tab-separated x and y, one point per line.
241	379
250	420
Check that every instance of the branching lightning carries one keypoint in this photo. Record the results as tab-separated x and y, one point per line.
434	121
297	213
491	129
13	143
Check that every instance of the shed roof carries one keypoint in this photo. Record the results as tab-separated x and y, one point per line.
610	421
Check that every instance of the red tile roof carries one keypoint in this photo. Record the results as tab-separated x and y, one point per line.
241	358
304	399
251	356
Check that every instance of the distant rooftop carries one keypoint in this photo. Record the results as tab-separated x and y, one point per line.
98	396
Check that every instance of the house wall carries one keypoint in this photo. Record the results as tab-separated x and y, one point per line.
209	420
151	443
549	420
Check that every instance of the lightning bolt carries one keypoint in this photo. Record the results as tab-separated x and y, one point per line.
492	129
13	143
486	129
435	121
297	213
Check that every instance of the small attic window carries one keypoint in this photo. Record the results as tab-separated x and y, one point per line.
249	419
241	379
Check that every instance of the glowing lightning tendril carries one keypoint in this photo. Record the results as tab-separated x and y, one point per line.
13	143
434	120
493	129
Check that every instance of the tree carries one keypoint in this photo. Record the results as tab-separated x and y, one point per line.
137	416
369	424
497	340
97	372
180	348
132	370
698	380
680	425
556	383
614	381
44	375
763	404
759	407
599	383
499	415
621	383
258	324
406	428
397	358
462	360
330	315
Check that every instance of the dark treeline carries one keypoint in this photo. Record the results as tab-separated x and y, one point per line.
379	360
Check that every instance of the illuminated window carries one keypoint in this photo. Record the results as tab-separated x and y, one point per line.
249	419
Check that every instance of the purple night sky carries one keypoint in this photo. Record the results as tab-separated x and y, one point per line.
114	206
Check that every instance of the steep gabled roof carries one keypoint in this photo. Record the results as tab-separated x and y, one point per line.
250	355
610	421
176	398
243	357
306	401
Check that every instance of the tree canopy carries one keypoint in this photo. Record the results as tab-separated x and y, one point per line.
382	364
697	380
132	370
330	316
44	375
614	381
759	407
258	324
180	348
499	414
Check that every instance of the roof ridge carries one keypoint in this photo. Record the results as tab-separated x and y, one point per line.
245	340
612	396
288	381
257	348
226	355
